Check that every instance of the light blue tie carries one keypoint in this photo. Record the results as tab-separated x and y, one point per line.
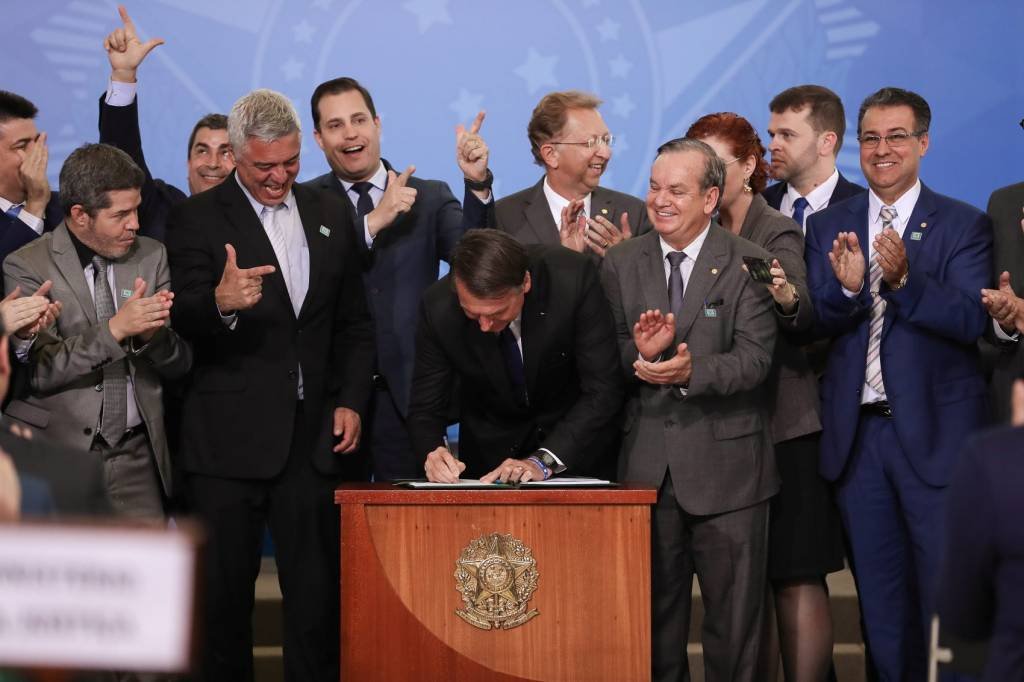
14	210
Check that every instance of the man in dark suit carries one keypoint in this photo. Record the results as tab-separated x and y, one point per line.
1001	348
526	336
806	128
405	227
26	205
209	155
895	276
696	336
981	589
268	290
570	141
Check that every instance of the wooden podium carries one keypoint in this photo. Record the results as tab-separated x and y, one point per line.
581	556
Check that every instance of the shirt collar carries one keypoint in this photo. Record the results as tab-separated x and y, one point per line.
379	179
692	249
5	205
289	200
818	197
557	202
904	205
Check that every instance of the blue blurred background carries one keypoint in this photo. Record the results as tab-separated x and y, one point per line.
430	64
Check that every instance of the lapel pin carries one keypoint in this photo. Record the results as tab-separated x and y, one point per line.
915	236
714	271
923	225
126	293
604	211
325	231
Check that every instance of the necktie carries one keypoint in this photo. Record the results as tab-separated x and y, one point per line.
14	210
365	203
114	417
514	364
799	206
873	373
275	232
675	282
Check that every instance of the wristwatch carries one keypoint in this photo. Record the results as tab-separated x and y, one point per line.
903	281
545	458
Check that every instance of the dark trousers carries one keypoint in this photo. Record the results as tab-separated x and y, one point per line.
894	522
388	446
728	553
298	506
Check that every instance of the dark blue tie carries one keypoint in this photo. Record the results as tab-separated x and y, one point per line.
365	203
799	206
675	282
514	364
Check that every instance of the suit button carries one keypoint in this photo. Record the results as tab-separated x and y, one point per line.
87	431
291	374
98	387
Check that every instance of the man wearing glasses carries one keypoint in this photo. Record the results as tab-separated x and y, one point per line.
895	276
570	141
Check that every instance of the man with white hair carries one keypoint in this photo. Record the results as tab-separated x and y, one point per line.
269	291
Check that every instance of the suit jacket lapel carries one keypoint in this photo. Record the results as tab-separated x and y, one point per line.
66	259
538	216
650	272
712	259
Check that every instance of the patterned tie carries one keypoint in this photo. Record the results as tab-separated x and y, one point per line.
14	210
277	240
873	373
365	203
114	417
675	282
799	206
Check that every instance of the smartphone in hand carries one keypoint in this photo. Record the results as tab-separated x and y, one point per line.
760	269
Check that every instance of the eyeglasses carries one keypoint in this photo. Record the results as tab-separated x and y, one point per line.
730	161
607	140
895	140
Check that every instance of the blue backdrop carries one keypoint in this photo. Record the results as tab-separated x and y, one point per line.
432	63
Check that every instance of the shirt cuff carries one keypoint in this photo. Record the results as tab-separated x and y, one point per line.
1002	335
553	456
366	233
120	94
230	321
34	223
852	294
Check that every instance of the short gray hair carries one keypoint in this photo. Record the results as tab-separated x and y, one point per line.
714	167
264	114
91	172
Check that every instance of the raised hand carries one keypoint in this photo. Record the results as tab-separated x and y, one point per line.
847	261
891	256
572	231
397	199
1004	306
675	371
471	151
781	289
602	234
141	316
653	333
239	289
124	49
24	316
32	174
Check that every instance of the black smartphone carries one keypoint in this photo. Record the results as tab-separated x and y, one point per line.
760	269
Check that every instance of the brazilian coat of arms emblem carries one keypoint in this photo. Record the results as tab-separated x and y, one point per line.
496	575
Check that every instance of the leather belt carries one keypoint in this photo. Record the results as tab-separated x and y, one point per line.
879	409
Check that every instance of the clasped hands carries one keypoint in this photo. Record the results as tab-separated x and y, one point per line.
26	316
1004	306
442	467
653	334
849	264
577	232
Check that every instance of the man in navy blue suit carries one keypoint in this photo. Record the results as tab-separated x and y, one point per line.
405	227
26	208
895	278
806	129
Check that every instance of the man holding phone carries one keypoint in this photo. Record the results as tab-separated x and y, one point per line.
696	336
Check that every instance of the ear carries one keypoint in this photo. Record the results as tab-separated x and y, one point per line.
319	140
710	200
923	140
549	154
827	143
78	216
749	165
526	283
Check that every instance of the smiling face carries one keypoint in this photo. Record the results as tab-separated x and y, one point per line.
349	135
574	170
891	171
268	169
493	314
210	160
111	232
15	136
677	207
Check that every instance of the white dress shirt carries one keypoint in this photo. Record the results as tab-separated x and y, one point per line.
556	202
35	223
817	198
379	182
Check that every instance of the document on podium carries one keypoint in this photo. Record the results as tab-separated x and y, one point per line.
477	484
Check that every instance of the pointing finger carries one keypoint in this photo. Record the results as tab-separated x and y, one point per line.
477	122
259	271
125	19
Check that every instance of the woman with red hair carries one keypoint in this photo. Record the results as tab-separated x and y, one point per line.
804	534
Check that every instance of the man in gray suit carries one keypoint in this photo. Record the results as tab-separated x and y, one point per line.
95	375
570	141
696	421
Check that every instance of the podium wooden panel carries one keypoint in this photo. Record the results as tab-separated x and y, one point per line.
398	592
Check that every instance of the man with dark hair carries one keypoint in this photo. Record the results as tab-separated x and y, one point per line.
405	227
26	206
209	157
570	141
95	376
525	338
895	276
696	336
806	128
268	288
